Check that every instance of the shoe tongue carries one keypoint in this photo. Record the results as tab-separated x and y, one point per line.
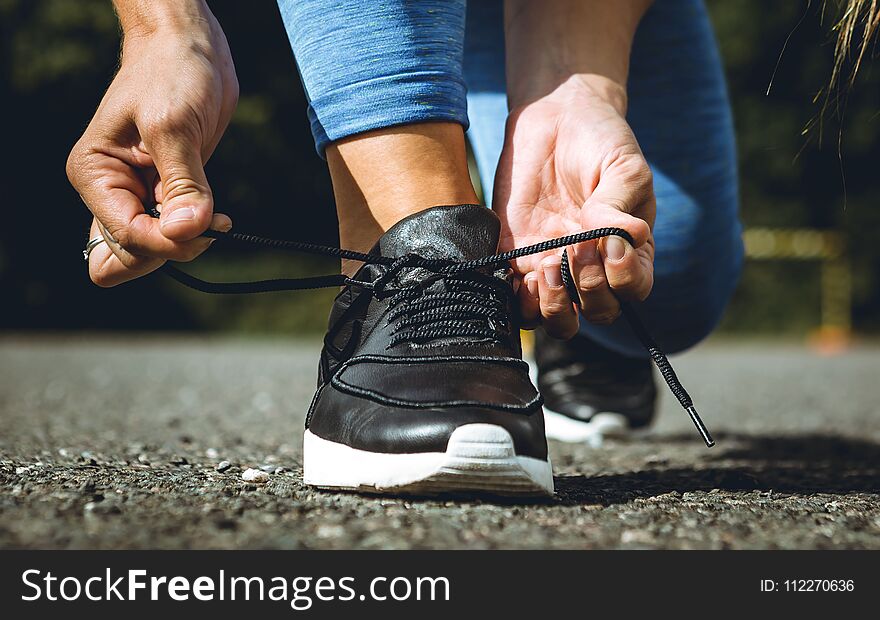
459	232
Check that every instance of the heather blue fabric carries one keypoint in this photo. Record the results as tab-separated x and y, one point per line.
368	64
375	63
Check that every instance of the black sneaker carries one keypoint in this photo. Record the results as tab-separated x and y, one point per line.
591	392
421	385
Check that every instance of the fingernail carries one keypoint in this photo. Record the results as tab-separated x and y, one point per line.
615	248
553	276
532	285
179	215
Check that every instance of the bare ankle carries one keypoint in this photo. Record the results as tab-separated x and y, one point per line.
383	176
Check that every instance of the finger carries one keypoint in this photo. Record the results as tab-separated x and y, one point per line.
628	268
628	187
600	214
624	198
529	301
110	264
219	221
115	193
629	276
188	204
598	303
106	269
141	237
557	311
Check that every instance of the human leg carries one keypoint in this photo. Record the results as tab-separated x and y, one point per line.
386	105
420	385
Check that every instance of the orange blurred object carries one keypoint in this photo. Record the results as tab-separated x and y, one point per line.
829	340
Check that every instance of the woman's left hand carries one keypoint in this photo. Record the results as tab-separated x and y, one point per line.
570	163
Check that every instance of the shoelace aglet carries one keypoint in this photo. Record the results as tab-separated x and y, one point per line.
701	428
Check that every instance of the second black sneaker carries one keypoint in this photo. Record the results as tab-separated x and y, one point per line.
591	392
421	386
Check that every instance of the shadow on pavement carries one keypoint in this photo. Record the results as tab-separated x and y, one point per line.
794	465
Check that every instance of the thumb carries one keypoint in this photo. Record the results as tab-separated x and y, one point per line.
615	202
187	202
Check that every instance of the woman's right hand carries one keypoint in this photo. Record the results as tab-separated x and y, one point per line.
157	125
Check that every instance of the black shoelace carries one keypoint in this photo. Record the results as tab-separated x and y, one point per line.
423	316
470	305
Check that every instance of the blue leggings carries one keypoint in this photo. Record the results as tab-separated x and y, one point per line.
367	64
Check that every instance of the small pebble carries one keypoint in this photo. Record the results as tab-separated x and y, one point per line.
269	469
211	453
223	466
330	531
254	475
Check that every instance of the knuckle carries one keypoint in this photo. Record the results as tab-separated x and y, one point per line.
642	229
74	165
181	185
167	121
590	283
617	203
623	280
642	174
635	180
634	169
124	236
555	307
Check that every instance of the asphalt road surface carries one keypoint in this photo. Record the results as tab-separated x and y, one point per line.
116	442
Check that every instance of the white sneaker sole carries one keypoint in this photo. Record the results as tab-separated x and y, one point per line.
563	428
479	459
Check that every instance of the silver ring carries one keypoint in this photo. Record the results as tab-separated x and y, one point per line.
91	245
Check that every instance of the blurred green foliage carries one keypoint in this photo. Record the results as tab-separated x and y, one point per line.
57	56
797	169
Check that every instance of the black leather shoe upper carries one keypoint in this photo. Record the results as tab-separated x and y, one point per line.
580	378
409	360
